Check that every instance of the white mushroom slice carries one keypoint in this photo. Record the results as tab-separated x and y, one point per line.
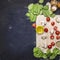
53	8
58	20
44	45
43	23
48	3
44	37
52	31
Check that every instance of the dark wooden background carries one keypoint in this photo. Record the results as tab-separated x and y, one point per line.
17	37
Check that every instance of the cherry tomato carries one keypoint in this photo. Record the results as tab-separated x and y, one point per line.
49	46
52	43
51	37
57	37
55	28
34	25
53	23
57	32
45	29
47	19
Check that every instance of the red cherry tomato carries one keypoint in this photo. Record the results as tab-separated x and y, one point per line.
52	43
57	32
53	23
47	19
51	37
45	29
57	37
34	25
49	46
55	28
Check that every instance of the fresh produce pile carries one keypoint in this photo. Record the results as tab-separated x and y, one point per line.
50	55
48	11
38	9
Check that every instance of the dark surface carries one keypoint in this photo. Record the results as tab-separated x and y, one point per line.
17	37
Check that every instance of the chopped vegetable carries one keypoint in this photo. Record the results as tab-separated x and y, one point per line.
38	9
37	52
57	37
34	25
52	37
57	32
45	29
52	43
49	46
41	1
47	19
46	7
48	53
52	23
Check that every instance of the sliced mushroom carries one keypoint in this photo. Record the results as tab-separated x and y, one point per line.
54	8
57	20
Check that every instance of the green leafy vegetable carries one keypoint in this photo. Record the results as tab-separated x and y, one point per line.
37	52
41	1
46	7
51	55
44	56
48	53
52	15
38	9
30	6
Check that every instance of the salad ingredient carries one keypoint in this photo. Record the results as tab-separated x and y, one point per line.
49	5
40	29
52	31
49	46
55	28
38	9
48	52
57	32
46	7
43	23
45	29
53	23
52	15
37	52
57	37
41	1
44	56
53	8
56	51
58	44
34	25
44	37
51	37
58	4
47	19
52	43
